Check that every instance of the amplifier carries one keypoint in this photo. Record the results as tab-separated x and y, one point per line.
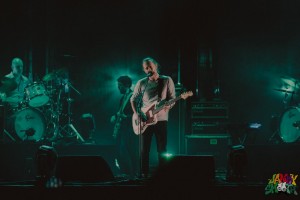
207	127
217	145
209	110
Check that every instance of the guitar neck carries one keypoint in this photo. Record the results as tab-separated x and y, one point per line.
124	102
155	111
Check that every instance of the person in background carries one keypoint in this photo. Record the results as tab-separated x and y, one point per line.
126	140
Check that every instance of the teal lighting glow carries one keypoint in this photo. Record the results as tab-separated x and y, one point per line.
168	155
105	86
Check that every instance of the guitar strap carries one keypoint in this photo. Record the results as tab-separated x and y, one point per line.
125	100
160	86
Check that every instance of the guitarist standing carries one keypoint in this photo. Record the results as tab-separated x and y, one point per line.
126	141
148	92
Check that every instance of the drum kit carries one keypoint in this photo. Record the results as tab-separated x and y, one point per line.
289	120
38	117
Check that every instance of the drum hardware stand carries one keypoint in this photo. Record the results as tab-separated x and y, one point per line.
2	117
56	109
9	135
70	127
275	129
273	136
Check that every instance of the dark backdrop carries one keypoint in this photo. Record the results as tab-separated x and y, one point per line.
244	47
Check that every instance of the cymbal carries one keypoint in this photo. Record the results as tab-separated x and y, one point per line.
286	91
290	81
49	77
7	84
54	74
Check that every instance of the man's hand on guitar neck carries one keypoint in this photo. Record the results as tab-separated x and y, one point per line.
121	115
118	116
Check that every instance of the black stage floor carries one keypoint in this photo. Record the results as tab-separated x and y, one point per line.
18	176
138	189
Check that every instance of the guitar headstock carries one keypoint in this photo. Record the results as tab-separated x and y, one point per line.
185	95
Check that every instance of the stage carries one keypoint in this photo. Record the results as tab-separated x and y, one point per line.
137	190
188	178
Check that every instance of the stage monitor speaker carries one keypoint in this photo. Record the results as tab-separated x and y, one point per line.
186	170
83	169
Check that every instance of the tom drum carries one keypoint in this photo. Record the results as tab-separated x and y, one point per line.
36	94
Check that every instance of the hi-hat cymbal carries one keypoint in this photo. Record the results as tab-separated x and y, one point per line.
55	74
291	81
7	85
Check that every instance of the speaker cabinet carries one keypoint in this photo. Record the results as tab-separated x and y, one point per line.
215	145
83	169
187	170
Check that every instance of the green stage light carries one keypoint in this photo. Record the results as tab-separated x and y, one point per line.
168	156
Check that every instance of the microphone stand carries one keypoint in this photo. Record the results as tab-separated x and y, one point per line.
139	111
71	86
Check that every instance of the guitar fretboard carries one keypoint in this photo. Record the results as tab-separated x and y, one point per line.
166	104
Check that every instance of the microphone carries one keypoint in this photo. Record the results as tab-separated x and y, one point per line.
149	74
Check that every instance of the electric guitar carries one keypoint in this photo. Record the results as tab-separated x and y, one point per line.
120	115
117	126
150	113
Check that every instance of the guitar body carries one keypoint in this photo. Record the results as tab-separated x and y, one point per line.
117	127
120	116
140	127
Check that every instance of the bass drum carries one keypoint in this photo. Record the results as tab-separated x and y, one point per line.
29	124
290	125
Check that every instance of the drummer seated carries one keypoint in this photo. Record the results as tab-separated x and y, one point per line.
15	82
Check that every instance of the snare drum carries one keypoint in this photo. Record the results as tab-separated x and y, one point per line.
11	109
290	125
36	94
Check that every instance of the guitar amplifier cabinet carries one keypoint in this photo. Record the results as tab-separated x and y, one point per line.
217	145
208	127
209	110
